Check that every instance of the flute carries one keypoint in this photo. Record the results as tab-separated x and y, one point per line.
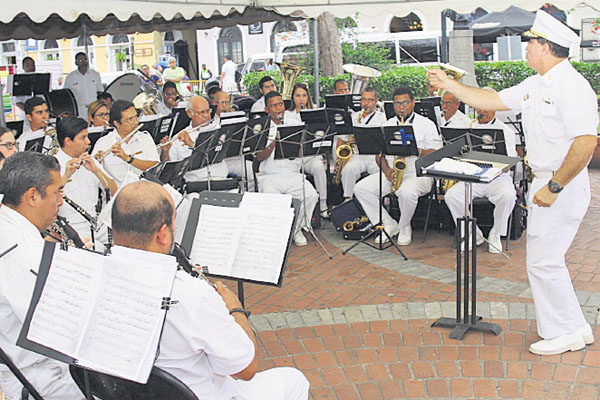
108	151
175	137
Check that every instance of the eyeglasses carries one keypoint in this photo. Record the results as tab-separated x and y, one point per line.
207	111
130	120
223	102
101	115
170	94
402	103
369	100
448	103
10	145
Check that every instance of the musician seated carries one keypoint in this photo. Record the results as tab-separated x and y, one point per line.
265	85
136	154
37	114
170	95
452	117
8	144
106	99
199	112
207	341
501	191
340	86
411	187
283	176
359	163
313	165
32	188
222	104
98	115
83	177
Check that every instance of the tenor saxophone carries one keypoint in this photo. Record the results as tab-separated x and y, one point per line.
399	166
343	153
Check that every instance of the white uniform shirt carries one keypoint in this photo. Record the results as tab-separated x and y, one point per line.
179	151
85	88
426	135
228	70
116	167
272	166
458	120
28	135
556	108
17	282
259	105
83	190
291	117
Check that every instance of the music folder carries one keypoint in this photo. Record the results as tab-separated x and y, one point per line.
489	140
234	130
340	120
426	108
101	312
289	139
29	84
201	145
369	139
400	140
257	132
170	172
35	145
318	137
245	237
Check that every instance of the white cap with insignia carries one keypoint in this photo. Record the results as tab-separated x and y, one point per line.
547	27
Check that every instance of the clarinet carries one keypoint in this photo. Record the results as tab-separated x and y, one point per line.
186	265
89	218
68	235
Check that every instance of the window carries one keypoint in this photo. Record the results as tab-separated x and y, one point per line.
281	26
50	51
230	43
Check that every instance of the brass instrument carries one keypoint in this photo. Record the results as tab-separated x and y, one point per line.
54	146
446	184
343	153
349	226
146	103
453	73
359	76
88	217
527	170
108	151
289	73
399	166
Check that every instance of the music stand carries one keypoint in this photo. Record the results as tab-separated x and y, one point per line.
235	130
489	140
340	120
318	134
30	84
36	145
388	108
426	108
460	149
170	172
380	141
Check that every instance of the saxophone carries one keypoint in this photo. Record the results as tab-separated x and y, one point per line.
344	151
399	166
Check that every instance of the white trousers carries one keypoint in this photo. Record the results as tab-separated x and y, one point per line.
501	192
283	383
314	165
291	183
550	231
351	172
50	378
411	188
235	166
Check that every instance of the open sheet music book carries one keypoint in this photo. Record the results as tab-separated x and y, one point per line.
102	312
246	242
465	167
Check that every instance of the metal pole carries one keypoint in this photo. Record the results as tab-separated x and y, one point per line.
316	60
444	49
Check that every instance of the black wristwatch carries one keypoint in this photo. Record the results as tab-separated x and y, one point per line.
240	310
130	160
553	187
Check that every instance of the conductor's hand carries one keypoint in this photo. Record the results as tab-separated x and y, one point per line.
544	197
230	298
437	78
185	138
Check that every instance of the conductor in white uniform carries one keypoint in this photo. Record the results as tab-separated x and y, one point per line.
560	119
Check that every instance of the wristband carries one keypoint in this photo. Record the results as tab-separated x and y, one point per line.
130	160
553	187
240	310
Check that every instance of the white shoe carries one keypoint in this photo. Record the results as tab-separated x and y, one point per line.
299	239
381	236
587	333
324	213
495	243
478	240
405	236
558	345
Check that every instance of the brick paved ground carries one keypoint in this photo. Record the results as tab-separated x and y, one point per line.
359	326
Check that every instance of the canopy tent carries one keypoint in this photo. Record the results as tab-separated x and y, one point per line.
512	21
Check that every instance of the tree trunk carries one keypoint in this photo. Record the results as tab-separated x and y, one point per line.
330	47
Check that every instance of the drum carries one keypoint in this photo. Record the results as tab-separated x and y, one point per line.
61	101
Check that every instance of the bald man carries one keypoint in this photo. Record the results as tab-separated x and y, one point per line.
199	112
222	102
207	340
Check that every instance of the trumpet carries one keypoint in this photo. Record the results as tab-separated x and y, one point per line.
108	151
399	166
349	226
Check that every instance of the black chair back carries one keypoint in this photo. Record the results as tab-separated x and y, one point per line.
161	386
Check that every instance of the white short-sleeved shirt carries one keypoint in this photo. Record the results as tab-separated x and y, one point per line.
228	70
458	120
291	117
85	88
116	167
272	166
509	135
82	188
259	105
556	108
426	135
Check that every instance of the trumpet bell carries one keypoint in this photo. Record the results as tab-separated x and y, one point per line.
359	76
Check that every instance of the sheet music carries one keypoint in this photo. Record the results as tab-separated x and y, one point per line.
105	312
265	201
262	244
217	235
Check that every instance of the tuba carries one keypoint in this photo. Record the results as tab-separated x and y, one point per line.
359	76
399	166
145	103
453	72
289	73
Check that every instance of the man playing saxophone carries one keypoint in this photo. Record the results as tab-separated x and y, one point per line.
367	116
136	153
82	174
37	115
411	186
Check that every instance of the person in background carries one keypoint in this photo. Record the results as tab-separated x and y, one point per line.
174	74
106	99
340	86
227	77
265	85
98	114
19	101
85	83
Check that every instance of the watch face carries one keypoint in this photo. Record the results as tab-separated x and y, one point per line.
553	187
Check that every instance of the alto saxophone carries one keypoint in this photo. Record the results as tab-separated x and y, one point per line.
399	166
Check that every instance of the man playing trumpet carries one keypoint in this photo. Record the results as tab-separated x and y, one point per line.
367	116
136	154
411	187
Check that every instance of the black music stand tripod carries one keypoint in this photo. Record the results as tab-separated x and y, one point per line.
371	140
